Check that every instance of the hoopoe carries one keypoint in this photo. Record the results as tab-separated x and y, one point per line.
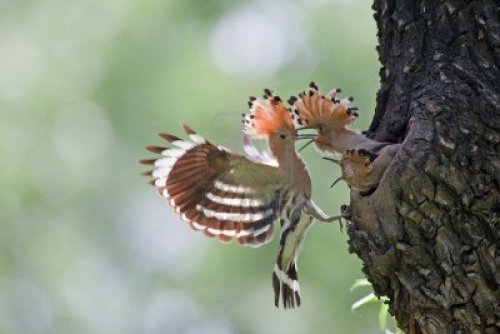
364	160
362	170
228	196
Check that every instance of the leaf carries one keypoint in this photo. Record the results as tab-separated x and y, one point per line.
371	298
359	283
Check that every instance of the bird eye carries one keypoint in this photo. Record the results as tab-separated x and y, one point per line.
282	136
320	128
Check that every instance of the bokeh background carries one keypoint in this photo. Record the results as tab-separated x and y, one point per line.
86	245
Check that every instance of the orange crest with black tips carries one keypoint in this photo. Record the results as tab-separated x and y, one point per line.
267	116
316	110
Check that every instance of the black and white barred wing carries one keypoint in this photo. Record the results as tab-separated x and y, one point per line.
223	194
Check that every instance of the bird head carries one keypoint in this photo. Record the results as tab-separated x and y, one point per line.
269	118
324	113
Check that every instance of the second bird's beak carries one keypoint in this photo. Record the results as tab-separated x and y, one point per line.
311	137
335	182
305	128
306	136
309	142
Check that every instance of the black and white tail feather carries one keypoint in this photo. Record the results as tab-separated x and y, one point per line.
295	224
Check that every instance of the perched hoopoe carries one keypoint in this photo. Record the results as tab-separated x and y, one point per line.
363	170
331	118
228	196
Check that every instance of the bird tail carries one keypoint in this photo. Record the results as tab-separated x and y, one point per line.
286	285
285	275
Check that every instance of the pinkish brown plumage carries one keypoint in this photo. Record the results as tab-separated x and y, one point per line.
331	117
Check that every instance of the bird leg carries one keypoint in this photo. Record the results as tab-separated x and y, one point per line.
313	210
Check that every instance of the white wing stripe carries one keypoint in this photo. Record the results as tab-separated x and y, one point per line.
183	144
239	217
161	172
229	233
165	162
198	226
243	202
173	152
242	233
197	139
231	188
161	182
214	231
261	230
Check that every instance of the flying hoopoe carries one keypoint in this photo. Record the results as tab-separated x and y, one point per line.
228	196
364	160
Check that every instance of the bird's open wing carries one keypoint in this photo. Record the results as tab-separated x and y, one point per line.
221	193
253	153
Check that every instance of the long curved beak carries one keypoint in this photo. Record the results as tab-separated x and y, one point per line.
306	136
332	160
335	182
305	145
305	128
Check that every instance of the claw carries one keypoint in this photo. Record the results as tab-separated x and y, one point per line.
334	218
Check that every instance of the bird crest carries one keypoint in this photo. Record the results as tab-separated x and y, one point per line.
315	110
267	116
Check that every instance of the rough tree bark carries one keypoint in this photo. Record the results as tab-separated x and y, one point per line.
429	237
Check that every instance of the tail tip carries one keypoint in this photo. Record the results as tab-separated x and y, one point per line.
286	288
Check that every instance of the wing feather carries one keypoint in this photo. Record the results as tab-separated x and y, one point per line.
221	193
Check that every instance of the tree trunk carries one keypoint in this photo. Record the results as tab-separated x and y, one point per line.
429	236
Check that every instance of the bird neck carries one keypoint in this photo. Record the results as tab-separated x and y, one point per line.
343	138
291	163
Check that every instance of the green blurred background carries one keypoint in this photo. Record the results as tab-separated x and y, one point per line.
86	245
